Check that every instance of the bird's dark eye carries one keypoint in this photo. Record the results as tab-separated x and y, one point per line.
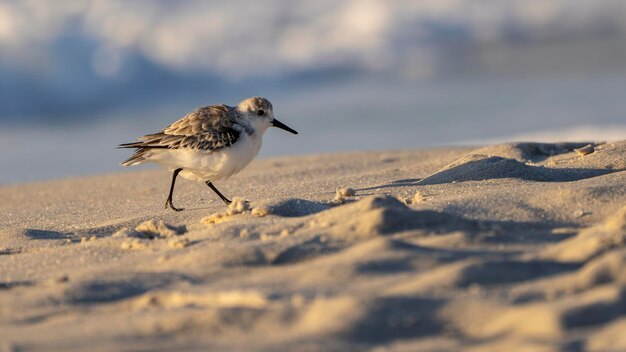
261	112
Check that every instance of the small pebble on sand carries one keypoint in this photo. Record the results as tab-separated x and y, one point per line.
237	206
88	239
346	192
244	233
418	197
341	195
216	218
580	213
123	232
588	149
158	229
178	242
260	211
57	280
149	229
134	244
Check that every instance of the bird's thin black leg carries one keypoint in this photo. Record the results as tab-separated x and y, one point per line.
224	199
168	202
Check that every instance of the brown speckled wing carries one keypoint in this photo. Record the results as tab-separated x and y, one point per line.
207	128
207	119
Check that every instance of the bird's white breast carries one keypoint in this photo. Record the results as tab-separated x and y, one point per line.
200	165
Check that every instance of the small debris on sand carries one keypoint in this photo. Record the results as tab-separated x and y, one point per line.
244	233
123	232
260	211
151	229
564	231
265	236
238	206
341	196
134	244
346	192
588	149
419	197
579	213
216	218
88	239
158	229
179	242
57	280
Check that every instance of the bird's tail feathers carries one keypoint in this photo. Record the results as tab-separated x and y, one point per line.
138	144
144	146
137	158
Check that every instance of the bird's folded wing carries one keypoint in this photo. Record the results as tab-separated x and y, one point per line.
207	128
207	119
202	141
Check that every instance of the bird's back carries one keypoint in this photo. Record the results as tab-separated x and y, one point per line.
209	128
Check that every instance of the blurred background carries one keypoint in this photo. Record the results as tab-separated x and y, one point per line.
79	77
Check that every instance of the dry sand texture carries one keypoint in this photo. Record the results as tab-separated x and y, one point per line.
508	247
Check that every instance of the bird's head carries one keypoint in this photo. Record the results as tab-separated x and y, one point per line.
260	113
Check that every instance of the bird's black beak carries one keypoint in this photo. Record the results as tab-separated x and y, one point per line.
282	126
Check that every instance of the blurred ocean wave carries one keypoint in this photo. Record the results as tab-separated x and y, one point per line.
239	39
65	58
358	74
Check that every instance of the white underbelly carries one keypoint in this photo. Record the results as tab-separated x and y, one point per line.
210	165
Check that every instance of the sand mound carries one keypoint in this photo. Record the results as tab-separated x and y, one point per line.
381	215
562	155
530	152
178	299
544	162
611	338
297	207
330	315
535	326
591	242
476	167
118	287
607	268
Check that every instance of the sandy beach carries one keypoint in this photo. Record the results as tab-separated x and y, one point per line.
518	246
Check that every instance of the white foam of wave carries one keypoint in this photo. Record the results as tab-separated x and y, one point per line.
242	38
579	133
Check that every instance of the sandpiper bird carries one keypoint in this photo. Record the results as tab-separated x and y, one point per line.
209	144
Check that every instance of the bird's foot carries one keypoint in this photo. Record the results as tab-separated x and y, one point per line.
169	204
